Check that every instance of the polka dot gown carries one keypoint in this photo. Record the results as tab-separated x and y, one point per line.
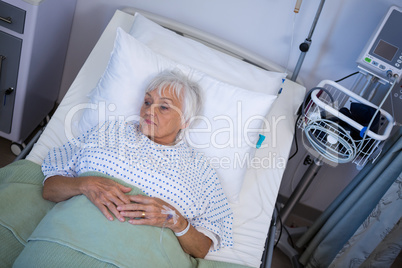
177	174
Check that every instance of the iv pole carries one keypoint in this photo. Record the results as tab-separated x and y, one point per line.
304	47
314	167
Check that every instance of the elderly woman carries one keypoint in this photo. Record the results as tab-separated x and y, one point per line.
183	192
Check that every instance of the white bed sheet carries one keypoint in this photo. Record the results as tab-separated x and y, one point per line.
253	214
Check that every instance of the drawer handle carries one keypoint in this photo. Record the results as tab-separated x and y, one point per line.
1	62
7	20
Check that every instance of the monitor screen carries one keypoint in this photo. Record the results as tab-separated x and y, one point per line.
385	50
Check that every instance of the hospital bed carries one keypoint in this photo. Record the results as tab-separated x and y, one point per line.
253	207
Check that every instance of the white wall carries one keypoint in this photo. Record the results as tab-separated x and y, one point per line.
264	27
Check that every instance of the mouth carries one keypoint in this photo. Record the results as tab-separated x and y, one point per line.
149	122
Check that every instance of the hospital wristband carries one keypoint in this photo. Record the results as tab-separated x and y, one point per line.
184	231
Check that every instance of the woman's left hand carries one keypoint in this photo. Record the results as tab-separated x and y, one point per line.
149	211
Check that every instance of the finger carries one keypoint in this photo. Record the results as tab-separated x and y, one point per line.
104	211
139	222
124	198
112	208
107	202
124	189
118	198
138	214
132	207
120	193
111	202
153	220
142	199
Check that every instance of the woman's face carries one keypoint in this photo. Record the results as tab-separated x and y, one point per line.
161	116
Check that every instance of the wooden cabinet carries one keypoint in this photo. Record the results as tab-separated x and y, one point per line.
34	36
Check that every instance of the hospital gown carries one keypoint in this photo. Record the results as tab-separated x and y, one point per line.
176	174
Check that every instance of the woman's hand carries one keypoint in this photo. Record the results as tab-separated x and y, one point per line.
105	194
152	211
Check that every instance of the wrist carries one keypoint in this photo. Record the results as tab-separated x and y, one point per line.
181	224
183	232
83	185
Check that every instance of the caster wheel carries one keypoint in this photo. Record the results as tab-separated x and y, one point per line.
17	148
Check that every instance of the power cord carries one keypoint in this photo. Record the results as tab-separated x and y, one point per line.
301	112
280	230
352	74
295	138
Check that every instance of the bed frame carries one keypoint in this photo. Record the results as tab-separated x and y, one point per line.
209	40
297	94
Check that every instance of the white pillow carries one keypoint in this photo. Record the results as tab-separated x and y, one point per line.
121	89
227	110
201	57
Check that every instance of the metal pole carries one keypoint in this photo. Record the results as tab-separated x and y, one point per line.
270	242
301	188
304	47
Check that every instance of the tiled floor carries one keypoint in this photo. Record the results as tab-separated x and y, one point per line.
279	259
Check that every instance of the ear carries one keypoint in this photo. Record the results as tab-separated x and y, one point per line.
185	125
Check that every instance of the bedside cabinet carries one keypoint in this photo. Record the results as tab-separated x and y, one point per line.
34	36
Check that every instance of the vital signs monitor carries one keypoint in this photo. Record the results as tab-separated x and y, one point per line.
382	55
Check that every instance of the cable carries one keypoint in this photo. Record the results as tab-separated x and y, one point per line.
295	138
339	80
367	129
302	113
308	95
168	217
280	230
290	237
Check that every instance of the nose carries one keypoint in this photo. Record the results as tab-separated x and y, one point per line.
151	110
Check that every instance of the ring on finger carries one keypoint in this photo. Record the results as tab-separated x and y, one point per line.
143	214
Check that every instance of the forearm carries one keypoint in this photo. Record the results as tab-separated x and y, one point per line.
195	243
60	188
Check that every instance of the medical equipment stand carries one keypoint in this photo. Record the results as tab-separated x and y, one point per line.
284	212
313	169
301	188
304	47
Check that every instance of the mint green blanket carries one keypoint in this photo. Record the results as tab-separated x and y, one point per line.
77	229
21	207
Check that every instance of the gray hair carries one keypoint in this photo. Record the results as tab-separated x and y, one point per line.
181	86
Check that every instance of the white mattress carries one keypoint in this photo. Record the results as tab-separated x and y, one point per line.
253	214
